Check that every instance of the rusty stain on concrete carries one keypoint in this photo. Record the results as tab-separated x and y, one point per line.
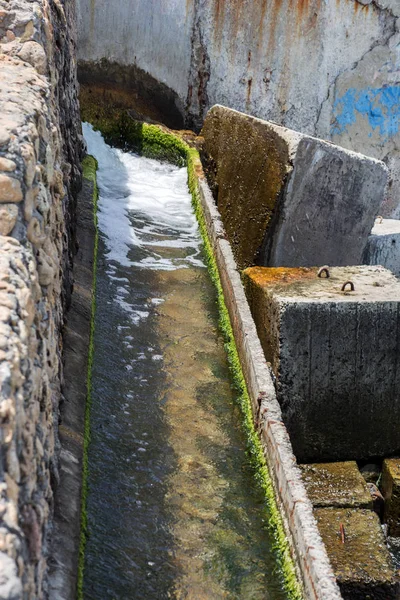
265	276
249	84
188	5
301	9
219	17
262	17
272	21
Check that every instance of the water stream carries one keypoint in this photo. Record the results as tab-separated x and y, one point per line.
173	511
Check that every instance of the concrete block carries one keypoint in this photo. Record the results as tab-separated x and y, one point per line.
334	354
390	486
338	484
358	554
288	199
383	246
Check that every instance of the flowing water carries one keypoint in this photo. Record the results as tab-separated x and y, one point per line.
173	511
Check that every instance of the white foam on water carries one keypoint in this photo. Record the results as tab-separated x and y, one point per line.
145	216
145	204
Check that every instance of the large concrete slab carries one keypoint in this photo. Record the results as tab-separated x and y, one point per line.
337	484
360	559
288	199
334	354
383	246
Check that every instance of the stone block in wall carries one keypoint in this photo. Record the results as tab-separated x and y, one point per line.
358	554
334	354
288	199
390	486
383	246
337	484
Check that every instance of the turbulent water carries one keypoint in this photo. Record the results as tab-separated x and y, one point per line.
172	509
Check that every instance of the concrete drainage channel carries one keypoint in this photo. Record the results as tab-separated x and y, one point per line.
327	511
309	318
171	507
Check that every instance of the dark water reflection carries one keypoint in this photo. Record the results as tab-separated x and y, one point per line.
173	511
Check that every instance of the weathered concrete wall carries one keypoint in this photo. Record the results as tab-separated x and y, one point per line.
287	199
329	69
39	175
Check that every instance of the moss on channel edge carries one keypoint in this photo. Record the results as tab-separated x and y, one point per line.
121	130
89	166
253	442
152	141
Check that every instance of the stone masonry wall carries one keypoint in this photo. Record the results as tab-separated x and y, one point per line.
326	68
40	148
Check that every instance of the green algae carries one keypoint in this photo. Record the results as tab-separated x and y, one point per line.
89	165
253	443
119	129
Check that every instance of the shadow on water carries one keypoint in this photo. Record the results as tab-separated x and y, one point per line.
172	507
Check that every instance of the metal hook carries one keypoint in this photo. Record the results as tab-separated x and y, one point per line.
350	283
324	270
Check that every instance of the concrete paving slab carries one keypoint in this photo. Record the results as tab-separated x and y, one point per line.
288	199
356	548
334	354
338	484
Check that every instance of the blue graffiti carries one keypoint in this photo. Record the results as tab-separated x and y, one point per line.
380	105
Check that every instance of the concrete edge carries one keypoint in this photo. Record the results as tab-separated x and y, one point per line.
293	138
307	545
65	539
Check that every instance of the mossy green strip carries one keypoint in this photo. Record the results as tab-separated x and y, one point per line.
89	172
152	141
253	442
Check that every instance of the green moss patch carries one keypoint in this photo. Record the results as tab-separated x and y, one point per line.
89	172
122	131
253	442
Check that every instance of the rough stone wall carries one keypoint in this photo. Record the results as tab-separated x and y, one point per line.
329	68
40	148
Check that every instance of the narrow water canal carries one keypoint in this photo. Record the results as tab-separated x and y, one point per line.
173	512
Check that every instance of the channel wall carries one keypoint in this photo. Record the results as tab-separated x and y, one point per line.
40	153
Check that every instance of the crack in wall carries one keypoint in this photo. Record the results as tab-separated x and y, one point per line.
390	30
377	5
197	101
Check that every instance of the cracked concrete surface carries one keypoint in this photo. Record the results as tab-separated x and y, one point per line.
352	113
